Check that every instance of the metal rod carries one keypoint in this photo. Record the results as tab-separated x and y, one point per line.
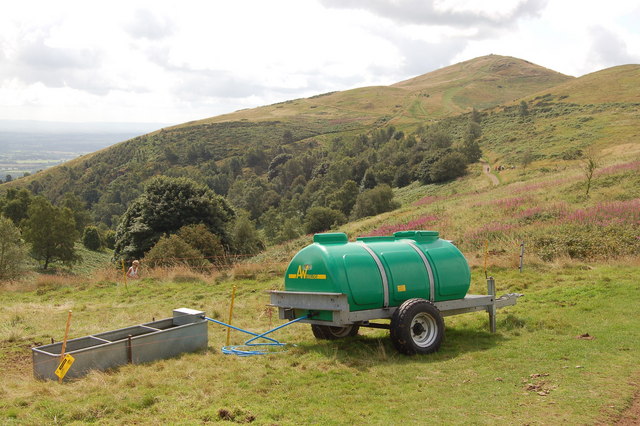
64	342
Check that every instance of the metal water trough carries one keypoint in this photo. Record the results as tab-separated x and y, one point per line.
186	331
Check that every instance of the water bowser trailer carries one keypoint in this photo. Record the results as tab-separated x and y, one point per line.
413	278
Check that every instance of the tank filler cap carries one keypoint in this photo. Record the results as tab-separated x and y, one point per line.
331	238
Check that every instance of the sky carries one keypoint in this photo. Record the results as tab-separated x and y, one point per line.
171	62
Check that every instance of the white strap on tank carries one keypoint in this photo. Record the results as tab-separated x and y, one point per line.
426	265
383	274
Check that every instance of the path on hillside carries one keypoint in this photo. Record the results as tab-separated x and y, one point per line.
486	169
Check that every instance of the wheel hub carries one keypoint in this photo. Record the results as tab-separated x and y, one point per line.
423	329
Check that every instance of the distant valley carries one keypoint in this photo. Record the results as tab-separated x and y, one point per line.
27	147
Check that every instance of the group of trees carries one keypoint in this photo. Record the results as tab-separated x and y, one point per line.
32	224
266	195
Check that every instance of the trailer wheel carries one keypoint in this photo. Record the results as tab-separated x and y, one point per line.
417	327
326	332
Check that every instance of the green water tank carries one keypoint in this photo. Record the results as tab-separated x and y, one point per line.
380	272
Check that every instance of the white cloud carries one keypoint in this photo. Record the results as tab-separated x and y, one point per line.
169	61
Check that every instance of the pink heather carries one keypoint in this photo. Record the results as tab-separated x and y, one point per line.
416	224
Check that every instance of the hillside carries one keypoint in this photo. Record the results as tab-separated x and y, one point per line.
279	160
319	119
566	353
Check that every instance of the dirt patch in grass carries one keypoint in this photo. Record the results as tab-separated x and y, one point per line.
17	354
632	415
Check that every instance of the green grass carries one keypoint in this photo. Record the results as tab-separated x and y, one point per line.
476	377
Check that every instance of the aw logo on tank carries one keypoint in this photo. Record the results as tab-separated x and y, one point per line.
304	275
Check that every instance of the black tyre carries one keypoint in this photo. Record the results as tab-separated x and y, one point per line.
326	332
417	327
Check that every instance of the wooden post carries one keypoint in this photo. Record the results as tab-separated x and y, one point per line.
64	342
124	276
486	254
521	255
233	297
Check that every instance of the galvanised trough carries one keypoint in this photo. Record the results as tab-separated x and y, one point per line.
186	331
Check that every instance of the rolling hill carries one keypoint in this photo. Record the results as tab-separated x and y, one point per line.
324	134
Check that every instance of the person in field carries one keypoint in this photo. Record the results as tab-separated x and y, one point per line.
133	270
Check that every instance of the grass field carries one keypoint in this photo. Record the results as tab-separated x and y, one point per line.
535	370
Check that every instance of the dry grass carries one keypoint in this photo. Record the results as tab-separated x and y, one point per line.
258	271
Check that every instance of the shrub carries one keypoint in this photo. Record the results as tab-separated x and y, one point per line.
173	251
245	236
91	238
200	238
109	239
320	219
374	201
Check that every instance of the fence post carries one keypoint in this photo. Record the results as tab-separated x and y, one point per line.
233	298
521	255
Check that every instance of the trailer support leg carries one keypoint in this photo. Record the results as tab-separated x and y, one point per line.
491	287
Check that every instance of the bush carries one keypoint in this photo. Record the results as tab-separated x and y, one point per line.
173	251
320	219
449	167
13	254
200	238
374	201
109	239
91	238
245	236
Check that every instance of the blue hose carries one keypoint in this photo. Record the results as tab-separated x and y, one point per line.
242	350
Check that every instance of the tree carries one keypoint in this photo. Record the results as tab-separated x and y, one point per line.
475	116
109	239
166	205
78	207
13	254
345	198
437	140
51	232
287	137
448	167
292	228
245	236
471	150
319	219
474	131
374	201
17	204
433	168
589	166
523	109
402	177
526	159
91	238
369	180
